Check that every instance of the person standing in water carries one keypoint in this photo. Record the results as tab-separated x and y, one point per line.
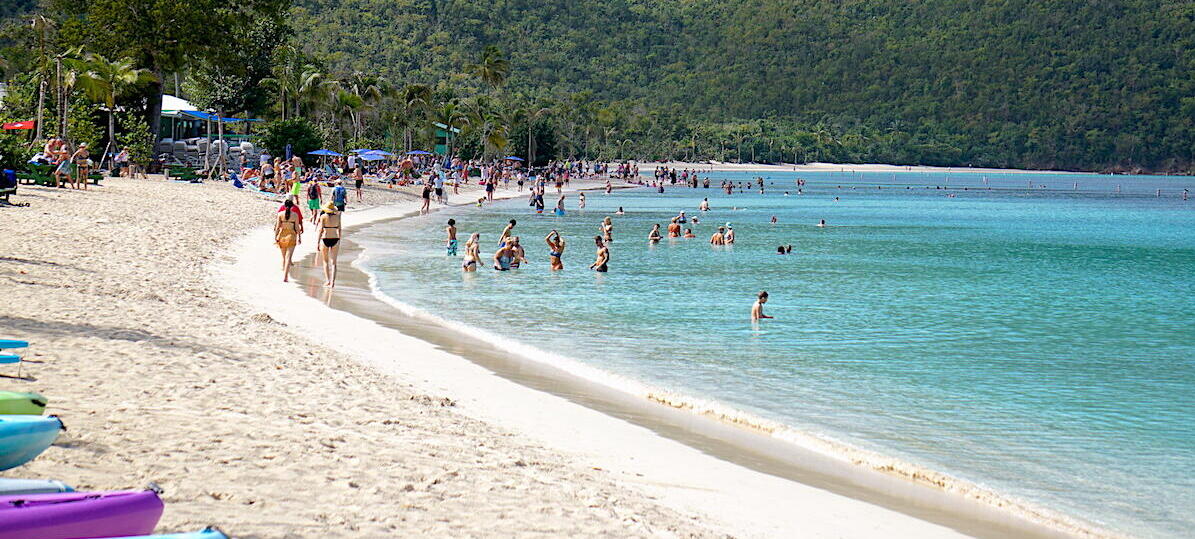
288	232
689	233
654	236
581	198
555	250
719	237
472	253
705	204
674	229
607	228
502	257
560	206
517	254
330	234
506	232
451	241
602	257
729	237
757	309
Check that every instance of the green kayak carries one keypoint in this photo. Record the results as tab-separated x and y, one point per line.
13	403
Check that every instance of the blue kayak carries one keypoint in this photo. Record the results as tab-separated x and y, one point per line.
8	344
23	437
21	487
207	533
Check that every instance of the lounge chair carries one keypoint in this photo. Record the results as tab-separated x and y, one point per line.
8	355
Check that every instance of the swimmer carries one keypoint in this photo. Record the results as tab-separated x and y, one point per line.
472	253
506	233
757	309
822	223
788	249
673	229
718	238
602	257
773	219
517	254
451	240
503	256
581	199
555	250
705	205
607	229
780	250
620	212
689	233
654	236
729	237
681	218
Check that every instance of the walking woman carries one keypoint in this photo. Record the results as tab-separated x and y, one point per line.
330	234
288	232
555	250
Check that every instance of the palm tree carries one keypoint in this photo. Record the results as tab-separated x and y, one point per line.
41	25
492	68
531	117
104	80
414	102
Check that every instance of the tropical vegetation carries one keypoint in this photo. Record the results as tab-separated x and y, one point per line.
1103	86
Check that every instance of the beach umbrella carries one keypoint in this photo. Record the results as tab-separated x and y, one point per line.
513	158
362	150
329	153
370	156
382	152
418	152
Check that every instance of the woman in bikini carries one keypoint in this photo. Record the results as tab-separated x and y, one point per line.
607	229
555	250
654	236
288	232
330	234
472	253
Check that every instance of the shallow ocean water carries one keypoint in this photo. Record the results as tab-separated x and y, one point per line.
1035	338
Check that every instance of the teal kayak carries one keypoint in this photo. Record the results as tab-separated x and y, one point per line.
18	487
23	437
207	533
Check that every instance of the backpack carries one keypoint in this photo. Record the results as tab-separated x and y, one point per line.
313	191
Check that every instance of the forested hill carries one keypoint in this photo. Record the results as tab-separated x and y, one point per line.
1033	83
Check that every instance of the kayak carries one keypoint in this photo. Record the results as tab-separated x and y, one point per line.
14	403
207	533
23	437
8	344
75	515
13	487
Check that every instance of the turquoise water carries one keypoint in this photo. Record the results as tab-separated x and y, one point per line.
1038	342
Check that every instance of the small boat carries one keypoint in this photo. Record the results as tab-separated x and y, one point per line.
74	515
15	487
14	403
23	437
206	533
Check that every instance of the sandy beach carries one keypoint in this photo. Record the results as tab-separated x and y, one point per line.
163	336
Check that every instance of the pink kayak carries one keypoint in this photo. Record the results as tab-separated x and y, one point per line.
78	515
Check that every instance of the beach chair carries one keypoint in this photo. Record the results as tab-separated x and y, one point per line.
8	185
10	353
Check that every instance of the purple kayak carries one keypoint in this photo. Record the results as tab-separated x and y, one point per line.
79	515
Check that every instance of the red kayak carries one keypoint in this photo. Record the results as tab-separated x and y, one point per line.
79	515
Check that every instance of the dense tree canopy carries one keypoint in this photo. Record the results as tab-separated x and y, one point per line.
1066	84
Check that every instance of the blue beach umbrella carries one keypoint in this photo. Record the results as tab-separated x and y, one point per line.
371	156
329	153
418	152
513	158
382	153
362	150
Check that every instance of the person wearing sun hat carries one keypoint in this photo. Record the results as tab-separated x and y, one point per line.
729	233
330	234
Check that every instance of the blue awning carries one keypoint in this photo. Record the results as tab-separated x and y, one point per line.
200	115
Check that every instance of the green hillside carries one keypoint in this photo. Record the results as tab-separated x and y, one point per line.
1030	83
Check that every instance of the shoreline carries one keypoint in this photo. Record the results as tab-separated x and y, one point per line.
858	167
902	498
